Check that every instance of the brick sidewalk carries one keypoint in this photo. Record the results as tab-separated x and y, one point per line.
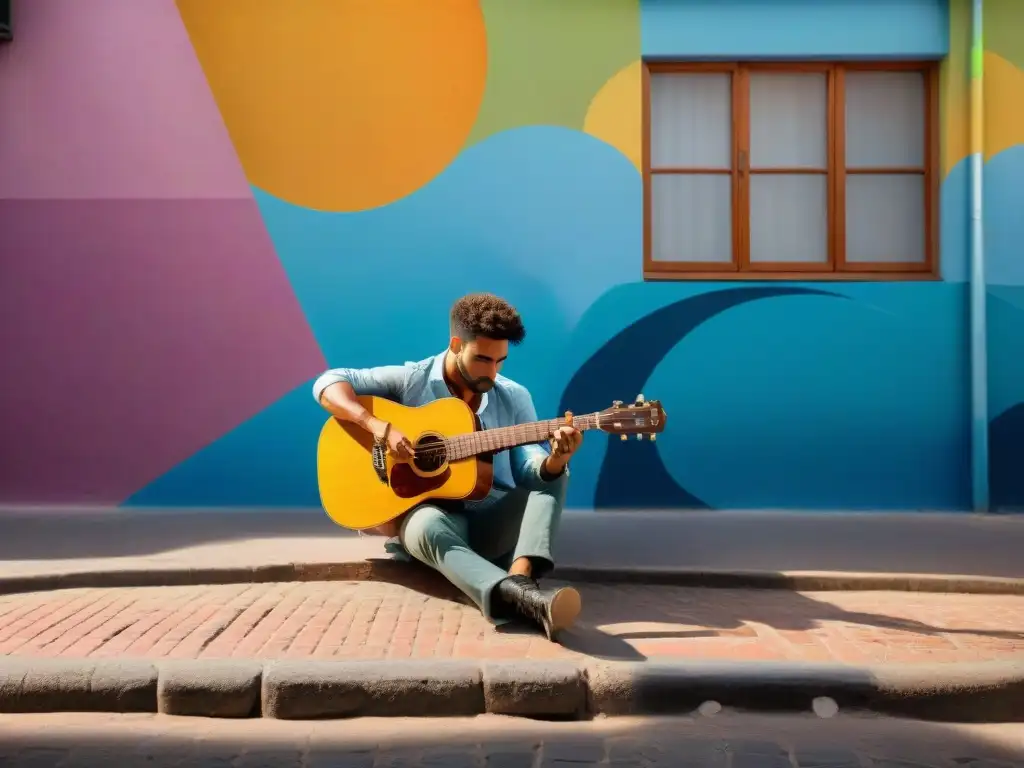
374	620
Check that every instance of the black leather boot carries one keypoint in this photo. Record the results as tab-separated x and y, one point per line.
553	608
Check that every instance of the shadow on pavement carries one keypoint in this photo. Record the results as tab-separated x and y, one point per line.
583	638
418	578
592	641
710	613
723	612
726	740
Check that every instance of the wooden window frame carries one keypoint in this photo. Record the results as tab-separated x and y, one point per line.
836	267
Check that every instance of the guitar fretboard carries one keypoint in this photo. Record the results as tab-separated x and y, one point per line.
502	438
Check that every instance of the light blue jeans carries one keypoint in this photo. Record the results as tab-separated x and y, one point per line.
475	547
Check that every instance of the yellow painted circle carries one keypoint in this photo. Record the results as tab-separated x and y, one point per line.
342	105
614	115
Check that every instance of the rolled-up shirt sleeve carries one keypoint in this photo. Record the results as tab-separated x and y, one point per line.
526	460
384	381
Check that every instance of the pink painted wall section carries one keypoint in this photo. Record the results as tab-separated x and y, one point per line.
144	312
105	98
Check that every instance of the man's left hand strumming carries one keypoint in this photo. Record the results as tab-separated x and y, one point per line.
564	443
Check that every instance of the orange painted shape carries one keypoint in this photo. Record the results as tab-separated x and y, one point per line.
342	105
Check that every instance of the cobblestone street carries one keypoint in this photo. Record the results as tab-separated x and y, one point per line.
726	741
372	620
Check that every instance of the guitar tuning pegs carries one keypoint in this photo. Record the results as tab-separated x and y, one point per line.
652	437
616	403
625	438
640	436
639	400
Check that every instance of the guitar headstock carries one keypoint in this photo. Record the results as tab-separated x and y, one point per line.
641	417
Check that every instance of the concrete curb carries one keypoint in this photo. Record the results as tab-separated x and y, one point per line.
215	688
73	685
984	692
385	569
304	690
186	577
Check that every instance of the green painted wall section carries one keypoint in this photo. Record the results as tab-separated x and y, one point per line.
548	58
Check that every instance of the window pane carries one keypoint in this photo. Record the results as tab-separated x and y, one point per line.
885	119
691	120
788	120
691	217
885	218
789	218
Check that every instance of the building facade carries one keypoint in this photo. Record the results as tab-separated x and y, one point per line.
758	213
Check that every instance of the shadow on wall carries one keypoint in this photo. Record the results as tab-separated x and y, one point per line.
1006	460
1006	395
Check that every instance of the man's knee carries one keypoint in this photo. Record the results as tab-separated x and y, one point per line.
557	488
550	495
427	528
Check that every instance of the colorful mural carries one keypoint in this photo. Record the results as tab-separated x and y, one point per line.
230	199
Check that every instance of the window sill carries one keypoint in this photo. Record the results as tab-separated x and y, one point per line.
655	275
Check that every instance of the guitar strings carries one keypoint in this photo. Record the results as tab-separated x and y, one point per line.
449	443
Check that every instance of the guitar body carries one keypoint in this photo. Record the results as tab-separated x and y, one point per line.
350	490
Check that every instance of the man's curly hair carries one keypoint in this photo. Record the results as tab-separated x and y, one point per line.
484	314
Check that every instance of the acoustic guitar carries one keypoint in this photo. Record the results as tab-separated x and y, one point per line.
364	487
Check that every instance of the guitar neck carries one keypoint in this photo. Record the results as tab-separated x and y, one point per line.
503	438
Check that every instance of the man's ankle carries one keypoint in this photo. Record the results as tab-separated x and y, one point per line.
502	607
522	566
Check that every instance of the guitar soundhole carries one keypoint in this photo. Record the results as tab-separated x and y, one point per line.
431	453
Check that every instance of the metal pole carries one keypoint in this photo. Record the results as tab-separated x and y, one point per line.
979	341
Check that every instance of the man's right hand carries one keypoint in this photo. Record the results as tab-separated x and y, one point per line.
399	445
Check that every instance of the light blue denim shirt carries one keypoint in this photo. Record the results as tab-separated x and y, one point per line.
415	384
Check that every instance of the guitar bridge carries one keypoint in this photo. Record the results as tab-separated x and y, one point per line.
380	462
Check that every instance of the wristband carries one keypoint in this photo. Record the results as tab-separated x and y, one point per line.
379	455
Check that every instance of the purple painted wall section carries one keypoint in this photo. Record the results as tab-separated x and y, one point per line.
105	98
143	309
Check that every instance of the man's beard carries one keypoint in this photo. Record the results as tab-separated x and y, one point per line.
480	385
